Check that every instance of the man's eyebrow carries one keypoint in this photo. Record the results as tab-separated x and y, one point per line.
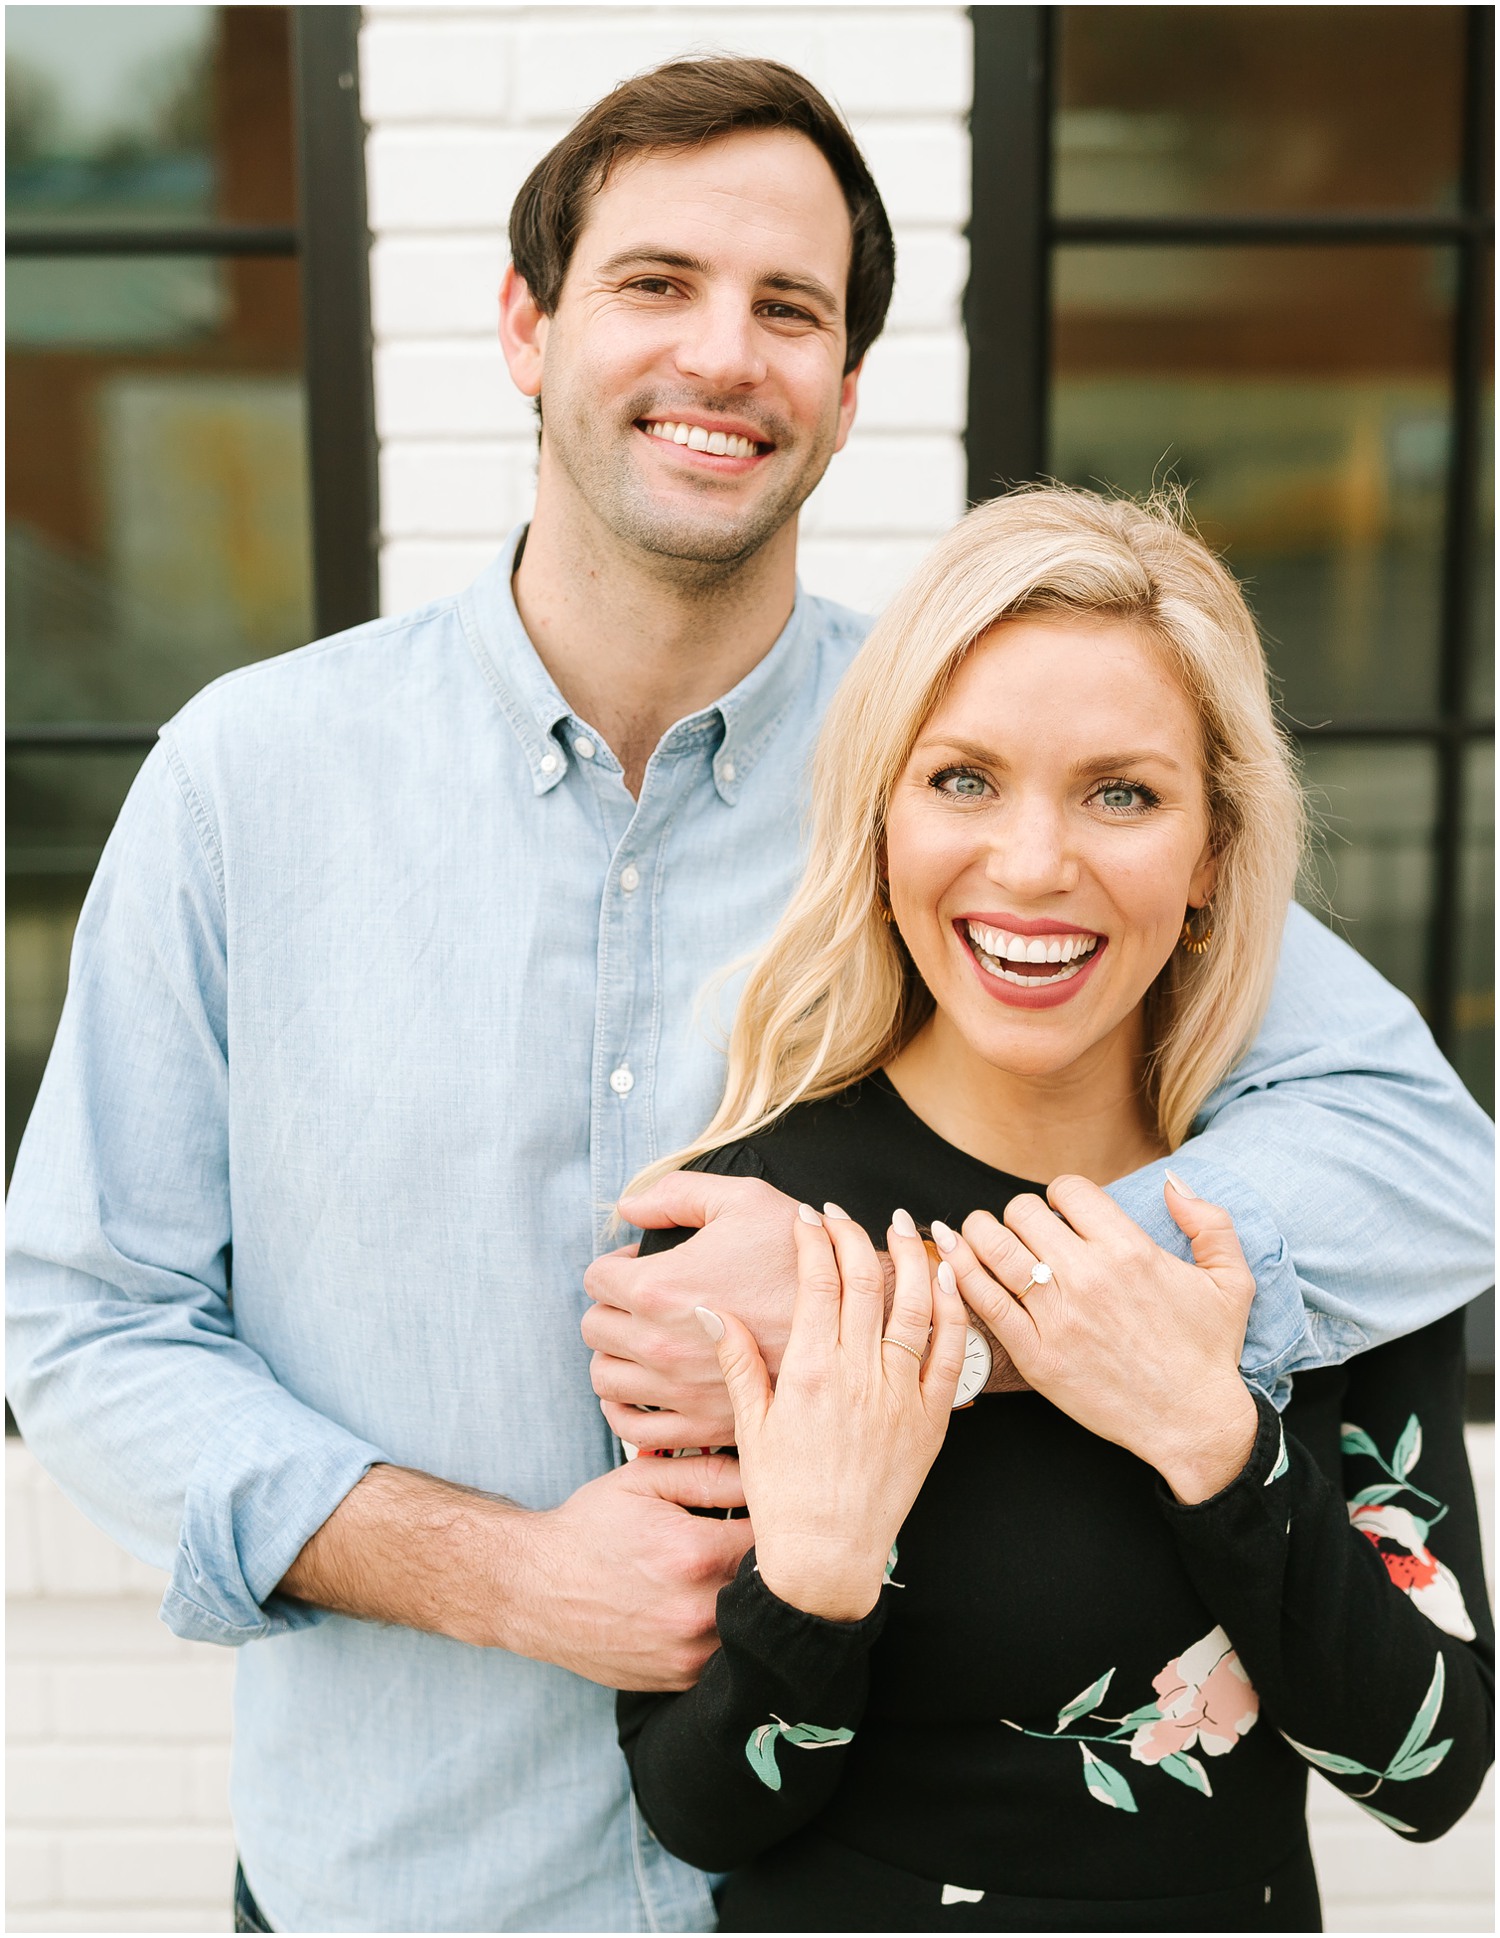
649	258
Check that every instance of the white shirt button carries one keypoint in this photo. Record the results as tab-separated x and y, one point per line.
549	763
726	772
630	878
621	1081
584	747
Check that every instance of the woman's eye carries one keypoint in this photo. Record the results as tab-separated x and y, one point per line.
959	783
1125	797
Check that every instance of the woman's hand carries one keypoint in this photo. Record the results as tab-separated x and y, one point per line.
1137	1346
832	1462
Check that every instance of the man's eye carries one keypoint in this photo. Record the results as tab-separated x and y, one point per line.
651	286
786	313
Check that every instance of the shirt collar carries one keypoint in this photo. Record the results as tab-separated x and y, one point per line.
749	714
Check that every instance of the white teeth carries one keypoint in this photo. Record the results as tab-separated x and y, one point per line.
998	945
1063	973
722	444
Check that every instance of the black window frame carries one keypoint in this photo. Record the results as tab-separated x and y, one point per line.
1007	314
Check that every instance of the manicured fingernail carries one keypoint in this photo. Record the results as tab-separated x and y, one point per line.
808	1215
833	1211
943	1236
1179	1187
903	1222
946	1279
711	1323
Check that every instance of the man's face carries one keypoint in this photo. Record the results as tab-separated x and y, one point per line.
691	375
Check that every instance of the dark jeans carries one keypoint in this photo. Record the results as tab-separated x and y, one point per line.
248	1915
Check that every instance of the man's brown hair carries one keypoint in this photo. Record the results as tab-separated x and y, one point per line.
680	105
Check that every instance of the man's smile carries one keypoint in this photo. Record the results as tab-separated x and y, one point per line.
734	446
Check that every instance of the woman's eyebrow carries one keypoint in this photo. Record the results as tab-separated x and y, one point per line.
1095	763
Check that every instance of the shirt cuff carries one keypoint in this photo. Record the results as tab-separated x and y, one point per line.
257	1495
1252	1485
797	1646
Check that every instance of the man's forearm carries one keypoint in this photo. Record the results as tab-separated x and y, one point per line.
408	1549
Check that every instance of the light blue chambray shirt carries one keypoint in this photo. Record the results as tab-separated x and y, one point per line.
386	981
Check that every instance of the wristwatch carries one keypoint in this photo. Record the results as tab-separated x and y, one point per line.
978	1361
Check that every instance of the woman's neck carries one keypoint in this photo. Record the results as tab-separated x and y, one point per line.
1090	1119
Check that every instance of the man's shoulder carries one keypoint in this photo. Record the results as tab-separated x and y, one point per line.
840	630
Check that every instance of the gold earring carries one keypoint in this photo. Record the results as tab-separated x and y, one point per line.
882	902
1196	945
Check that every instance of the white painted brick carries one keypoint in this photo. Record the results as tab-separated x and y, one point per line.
563	69
23	1573
31	1872
447	178
437	285
915	383
458	490
208	1916
75	1785
901	60
146	1704
859	572
74	1630
73	1557
430	390
877	485
932	267
437	70
921	170
208	1784
130	1867
28	1708
412	571
1412	1913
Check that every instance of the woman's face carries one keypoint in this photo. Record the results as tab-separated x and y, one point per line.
1045	838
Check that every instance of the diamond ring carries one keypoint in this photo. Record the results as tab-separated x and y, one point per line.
1040	1275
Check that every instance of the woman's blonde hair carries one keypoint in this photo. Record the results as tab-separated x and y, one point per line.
834	994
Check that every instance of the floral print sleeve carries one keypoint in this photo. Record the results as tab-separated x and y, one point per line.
754	1751
1347	1568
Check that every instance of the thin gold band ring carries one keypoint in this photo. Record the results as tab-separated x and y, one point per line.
886	1340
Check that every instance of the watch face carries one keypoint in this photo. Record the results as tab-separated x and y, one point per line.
976	1368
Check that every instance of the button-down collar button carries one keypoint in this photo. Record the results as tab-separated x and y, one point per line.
726	771
549	763
584	747
621	1081
630	878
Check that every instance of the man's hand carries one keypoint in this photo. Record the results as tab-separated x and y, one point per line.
649	1350
617	1584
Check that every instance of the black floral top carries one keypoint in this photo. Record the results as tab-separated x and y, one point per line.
1080	1705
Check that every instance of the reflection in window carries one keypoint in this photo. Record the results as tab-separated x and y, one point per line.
1188	110
1373	809
1302	397
1474	1032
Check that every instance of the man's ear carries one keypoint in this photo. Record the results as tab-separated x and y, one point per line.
848	398
523	334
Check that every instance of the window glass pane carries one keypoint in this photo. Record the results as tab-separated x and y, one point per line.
1474	1023
176	115
1187	110
60	808
156	519
1373	808
1302	396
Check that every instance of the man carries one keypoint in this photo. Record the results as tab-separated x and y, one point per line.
385	987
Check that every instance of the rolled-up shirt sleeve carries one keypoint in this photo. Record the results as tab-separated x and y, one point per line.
123	1368
1358	1170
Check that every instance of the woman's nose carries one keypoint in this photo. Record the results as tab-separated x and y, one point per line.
1031	854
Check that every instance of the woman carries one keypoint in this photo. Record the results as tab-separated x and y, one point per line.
1074	1684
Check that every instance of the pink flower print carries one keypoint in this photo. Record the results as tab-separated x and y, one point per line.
1205	1700
1400	1540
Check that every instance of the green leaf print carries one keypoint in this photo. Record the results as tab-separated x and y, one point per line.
761	1750
1395	1823
1187	1769
1282	1464
1354	1440
1420	1762
1377	1496
1326	1760
1106	1785
1408	1447
1082	1704
1426	1716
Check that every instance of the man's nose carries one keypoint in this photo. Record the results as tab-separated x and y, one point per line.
720	345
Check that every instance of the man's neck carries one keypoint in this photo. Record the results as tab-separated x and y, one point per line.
635	641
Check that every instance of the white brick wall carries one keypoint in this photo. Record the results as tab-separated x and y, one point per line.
117	1740
462	104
